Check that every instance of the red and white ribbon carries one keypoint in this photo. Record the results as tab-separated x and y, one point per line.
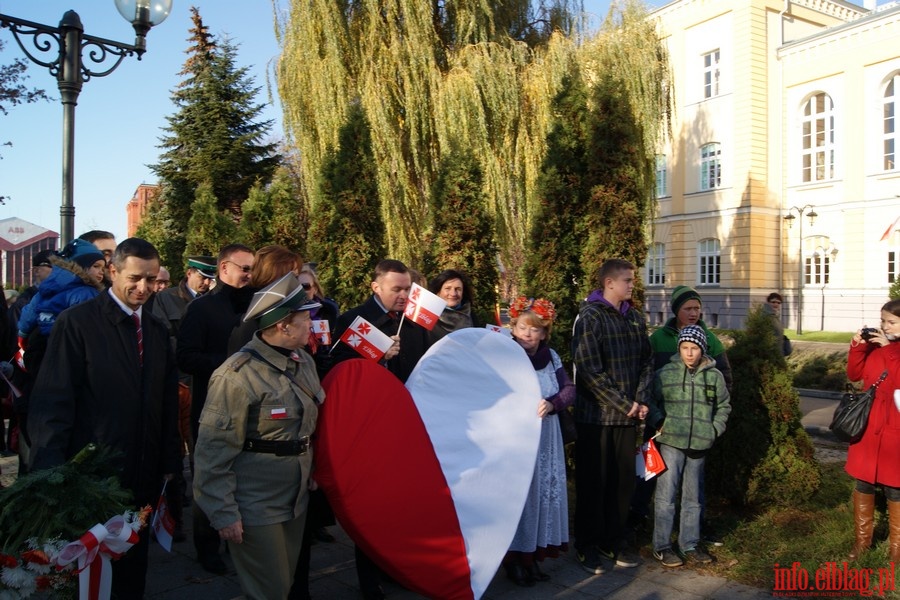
93	551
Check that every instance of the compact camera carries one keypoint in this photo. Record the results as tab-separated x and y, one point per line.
867	333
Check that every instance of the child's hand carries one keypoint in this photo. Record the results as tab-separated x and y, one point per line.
544	409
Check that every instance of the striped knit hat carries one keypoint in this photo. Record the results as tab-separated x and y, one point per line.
682	294
694	334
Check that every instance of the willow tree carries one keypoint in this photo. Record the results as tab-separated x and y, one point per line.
428	75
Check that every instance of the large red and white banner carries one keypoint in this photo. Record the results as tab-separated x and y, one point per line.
366	339
423	307
431	488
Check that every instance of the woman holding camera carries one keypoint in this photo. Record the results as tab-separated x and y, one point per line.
872	461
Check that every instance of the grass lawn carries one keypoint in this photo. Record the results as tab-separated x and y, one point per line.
838	337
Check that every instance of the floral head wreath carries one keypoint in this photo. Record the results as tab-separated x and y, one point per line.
540	306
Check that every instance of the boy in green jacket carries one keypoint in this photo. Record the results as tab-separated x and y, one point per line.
689	407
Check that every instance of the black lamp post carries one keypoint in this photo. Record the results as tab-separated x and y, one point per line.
64	50
810	211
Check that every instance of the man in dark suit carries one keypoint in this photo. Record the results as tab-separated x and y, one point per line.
109	377
384	309
390	289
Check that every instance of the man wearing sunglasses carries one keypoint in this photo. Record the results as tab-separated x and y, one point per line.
201	347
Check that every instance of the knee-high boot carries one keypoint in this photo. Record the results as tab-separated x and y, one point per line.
864	522
894	530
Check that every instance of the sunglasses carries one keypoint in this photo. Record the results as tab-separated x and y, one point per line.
243	268
306	286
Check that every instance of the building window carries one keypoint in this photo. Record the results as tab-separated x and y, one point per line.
708	262
711	74
891	137
710	166
656	265
662	176
893	266
818	139
816	269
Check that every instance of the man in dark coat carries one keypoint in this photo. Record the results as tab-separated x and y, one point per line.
109	377
203	346
390	290
171	303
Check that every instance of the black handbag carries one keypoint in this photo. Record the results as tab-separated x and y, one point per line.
852	414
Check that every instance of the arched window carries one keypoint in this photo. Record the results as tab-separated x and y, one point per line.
710	166
656	264
818	138
891	136
708	262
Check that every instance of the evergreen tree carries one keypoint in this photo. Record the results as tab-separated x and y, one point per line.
347	233
160	229
208	228
275	214
464	235
765	457
553	264
214	135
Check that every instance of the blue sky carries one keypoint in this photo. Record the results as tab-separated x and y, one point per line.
119	117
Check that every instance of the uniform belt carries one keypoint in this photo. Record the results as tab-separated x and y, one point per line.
278	447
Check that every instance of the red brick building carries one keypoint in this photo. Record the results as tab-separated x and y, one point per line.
137	206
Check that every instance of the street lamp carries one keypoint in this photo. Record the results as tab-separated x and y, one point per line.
72	47
810	211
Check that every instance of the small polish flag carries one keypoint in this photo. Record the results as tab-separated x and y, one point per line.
278	413
423	307
363	337
322	331
162	524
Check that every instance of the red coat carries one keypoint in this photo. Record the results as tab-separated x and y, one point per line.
876	457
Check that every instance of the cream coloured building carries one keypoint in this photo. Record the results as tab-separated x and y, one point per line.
783	108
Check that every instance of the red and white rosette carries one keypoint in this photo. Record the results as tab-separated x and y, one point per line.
94	550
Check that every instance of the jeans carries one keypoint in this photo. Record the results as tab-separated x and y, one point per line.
687	474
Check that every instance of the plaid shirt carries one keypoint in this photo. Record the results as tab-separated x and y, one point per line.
613	364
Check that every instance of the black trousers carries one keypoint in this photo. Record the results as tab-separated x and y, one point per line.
604	483
130	571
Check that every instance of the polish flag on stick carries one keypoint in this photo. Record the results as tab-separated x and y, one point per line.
363	337
322	331
423	307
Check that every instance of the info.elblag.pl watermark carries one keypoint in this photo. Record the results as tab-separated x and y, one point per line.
832	580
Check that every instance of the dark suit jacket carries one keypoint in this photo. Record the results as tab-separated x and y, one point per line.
413	338
92	388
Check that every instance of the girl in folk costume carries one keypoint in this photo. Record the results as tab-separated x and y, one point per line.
544	526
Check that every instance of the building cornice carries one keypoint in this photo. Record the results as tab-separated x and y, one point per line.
838	9
860	26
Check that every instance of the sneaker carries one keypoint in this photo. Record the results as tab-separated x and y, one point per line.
697	556
668	557
711	538
590	560
623	558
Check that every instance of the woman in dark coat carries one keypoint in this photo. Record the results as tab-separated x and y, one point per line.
872	461
455	288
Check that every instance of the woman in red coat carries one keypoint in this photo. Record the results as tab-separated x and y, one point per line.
873	460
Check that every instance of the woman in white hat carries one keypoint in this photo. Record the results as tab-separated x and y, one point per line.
253	456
